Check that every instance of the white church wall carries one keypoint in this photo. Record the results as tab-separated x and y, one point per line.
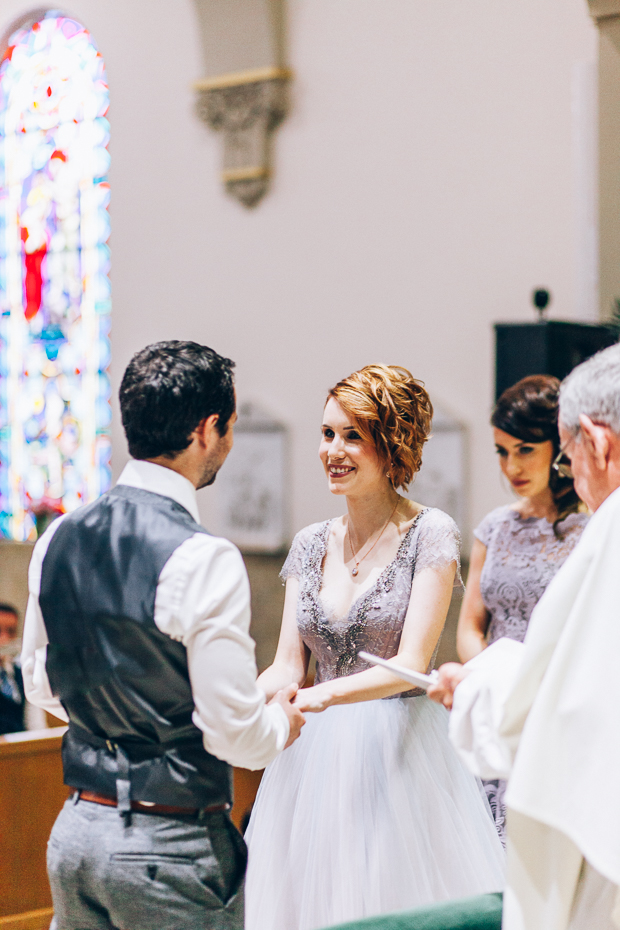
430	174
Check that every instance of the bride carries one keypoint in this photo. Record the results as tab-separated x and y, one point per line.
370	811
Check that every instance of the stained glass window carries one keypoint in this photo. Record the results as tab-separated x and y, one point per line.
54	286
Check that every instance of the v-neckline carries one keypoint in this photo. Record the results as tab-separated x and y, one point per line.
362	594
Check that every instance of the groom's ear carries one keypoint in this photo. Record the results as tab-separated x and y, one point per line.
596	437
205	430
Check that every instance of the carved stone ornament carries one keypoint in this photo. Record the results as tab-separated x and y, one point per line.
246	108
604	9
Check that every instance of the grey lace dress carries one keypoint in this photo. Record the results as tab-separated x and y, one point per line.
523	555
370	810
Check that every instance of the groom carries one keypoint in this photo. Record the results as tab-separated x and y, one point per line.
136	633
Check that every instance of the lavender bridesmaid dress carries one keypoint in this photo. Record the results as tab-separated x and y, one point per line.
523	555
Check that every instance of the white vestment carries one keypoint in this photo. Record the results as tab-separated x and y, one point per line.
546	714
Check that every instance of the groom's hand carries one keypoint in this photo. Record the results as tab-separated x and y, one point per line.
450	675
296	719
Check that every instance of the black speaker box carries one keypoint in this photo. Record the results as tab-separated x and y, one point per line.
549	347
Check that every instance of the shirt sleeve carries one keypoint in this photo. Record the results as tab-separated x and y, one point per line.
34	641
203	600
478	709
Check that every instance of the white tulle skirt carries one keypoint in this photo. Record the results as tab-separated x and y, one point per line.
370	811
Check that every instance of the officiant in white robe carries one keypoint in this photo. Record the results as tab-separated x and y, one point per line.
546	713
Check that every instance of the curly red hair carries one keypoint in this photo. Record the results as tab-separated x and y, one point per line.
393	412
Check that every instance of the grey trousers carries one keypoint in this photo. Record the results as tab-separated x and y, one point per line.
155	873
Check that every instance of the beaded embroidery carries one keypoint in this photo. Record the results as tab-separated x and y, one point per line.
374	621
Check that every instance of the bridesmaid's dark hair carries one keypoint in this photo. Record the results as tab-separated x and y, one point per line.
529	411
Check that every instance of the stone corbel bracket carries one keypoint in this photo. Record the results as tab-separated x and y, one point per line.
604	9
246	107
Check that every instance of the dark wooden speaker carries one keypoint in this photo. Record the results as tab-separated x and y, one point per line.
549	347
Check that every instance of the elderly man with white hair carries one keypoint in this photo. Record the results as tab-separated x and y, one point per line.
546	713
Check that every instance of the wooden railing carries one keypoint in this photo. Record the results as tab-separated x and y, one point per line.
31	794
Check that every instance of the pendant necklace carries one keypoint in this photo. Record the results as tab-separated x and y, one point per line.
358	562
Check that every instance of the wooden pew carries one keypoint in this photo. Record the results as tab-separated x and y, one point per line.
31	794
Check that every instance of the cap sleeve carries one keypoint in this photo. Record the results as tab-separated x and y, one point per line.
485	529
438	542
294	565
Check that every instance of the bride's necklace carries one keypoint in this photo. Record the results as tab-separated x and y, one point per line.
358	562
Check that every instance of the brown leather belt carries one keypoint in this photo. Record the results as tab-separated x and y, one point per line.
144	807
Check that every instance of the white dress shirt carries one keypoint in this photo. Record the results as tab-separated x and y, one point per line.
202	600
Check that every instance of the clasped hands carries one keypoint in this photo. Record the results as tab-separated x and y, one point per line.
296	701
313	700
317	698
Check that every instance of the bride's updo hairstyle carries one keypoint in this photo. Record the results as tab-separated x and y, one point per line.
529	411
392	412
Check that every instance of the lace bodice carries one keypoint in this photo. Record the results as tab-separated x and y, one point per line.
523	555
375	621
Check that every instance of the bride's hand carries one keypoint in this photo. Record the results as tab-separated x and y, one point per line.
313	700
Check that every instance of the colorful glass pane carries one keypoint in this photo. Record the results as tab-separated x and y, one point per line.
54	285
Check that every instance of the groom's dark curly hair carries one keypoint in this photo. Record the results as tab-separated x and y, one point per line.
168	388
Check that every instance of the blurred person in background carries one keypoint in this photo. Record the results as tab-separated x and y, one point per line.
519	547
12	702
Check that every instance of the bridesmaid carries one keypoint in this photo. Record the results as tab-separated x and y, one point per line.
518	548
